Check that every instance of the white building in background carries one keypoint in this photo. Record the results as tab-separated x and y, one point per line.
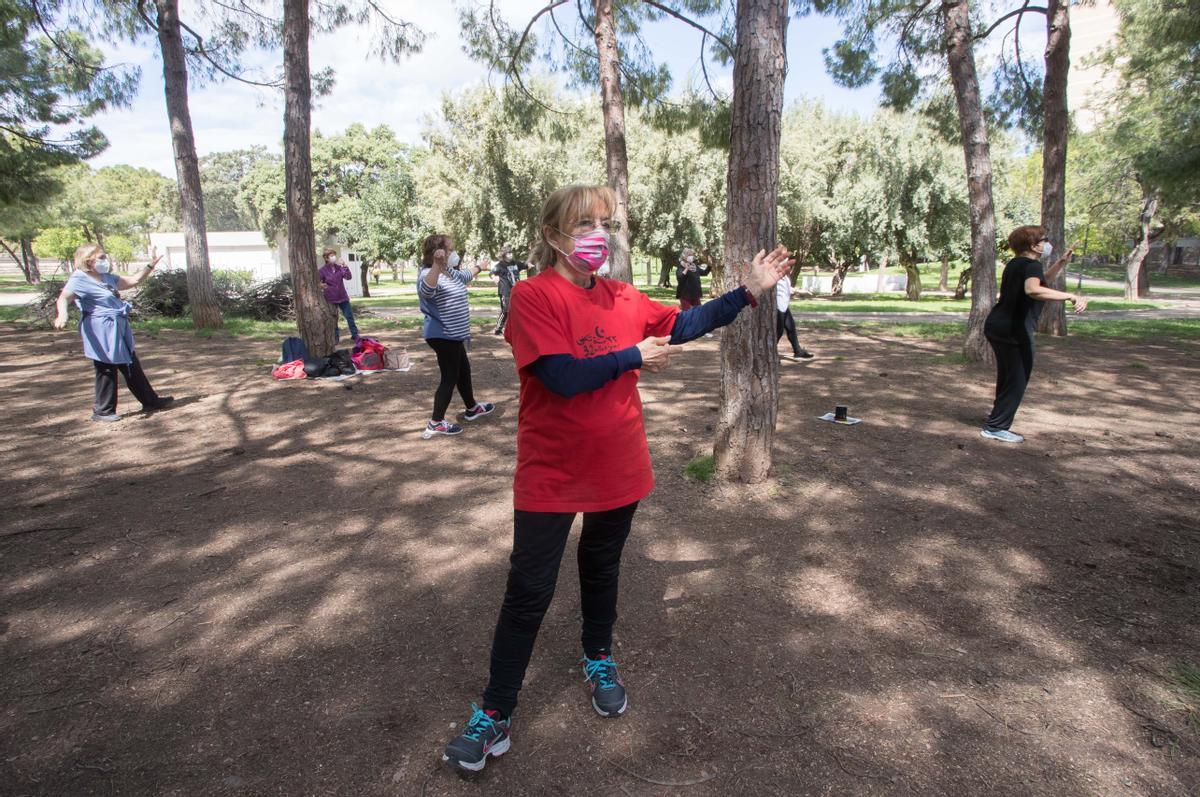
248	250
1093	27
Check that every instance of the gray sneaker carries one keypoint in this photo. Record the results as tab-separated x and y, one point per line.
1003	435
486	735
608	691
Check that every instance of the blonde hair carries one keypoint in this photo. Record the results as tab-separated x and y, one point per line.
562	209
85	253
329	252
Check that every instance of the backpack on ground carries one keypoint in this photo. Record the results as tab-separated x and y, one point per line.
293	349
368	360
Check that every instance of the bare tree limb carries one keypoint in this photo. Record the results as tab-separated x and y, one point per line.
689	21
207	56
704	69
41	23
1025	9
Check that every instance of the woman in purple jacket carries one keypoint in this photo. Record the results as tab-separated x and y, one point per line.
333	278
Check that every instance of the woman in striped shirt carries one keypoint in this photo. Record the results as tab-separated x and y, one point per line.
442	289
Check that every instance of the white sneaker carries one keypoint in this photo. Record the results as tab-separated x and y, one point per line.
1003	435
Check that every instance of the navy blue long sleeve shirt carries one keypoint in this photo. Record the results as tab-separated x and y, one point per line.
569	376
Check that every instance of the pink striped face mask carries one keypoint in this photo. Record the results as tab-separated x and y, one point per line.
590	252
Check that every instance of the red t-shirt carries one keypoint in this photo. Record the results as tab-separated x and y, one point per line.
587	453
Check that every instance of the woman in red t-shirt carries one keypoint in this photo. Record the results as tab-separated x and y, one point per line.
579	342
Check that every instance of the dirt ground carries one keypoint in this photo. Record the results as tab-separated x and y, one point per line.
279	588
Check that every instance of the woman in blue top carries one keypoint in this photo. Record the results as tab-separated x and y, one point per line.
442	288
104	326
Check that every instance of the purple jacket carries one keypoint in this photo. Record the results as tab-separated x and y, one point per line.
333	277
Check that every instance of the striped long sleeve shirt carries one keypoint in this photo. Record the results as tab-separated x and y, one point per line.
447	313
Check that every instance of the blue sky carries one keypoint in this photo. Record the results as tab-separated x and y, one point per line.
227	116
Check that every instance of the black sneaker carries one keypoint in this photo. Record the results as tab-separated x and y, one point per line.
109	418
486	735
162	403
608	690
479	410
804	354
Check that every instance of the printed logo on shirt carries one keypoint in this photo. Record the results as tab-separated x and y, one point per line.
596	343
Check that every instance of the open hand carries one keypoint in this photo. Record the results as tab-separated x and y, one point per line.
154	258
1079	305
769	268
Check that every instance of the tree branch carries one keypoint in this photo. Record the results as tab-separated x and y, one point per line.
1026	8
512	60
704	69
689	21
41	23
203	53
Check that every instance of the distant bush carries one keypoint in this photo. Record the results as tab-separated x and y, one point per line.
237	295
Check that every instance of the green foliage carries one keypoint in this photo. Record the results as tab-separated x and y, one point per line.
58	243
221	175
701	468
114	200
51	82
1156	133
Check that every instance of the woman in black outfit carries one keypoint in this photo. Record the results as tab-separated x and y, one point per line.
1009	327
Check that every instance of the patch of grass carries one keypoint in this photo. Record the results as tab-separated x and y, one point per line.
13	284
897	303
1187	676
701	468
1137	329
1140	366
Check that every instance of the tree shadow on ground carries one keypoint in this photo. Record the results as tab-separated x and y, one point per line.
279	588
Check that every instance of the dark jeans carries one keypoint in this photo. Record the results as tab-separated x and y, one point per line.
785	322
538	542
456	372
135	380
686	303
348	312
1014	364
504	297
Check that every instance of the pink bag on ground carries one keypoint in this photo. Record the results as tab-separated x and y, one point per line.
292	370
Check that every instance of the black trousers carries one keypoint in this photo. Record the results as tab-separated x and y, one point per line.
1014	364
504	297
785	322
538	542
456	372
135	380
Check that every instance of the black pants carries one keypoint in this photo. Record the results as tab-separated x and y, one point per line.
1014	364
784	322
504	297
538	542
135	380
456	372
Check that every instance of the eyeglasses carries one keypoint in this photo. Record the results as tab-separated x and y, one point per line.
587	225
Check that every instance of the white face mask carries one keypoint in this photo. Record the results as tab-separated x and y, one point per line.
453	260
102	266
1047	249
691	259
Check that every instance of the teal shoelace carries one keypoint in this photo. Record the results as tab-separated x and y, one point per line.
603	670
478	723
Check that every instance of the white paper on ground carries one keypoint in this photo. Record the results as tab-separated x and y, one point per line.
848	422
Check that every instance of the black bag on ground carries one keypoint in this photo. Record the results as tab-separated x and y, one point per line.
293	349
317	367
340	360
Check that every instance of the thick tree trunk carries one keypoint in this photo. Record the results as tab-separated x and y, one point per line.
616	161
1053	319
33	270
961	60
964	279
1165	264
1134	287
665	257
839	277
202	297
912	287
363	272
749	365
944	274
314	316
